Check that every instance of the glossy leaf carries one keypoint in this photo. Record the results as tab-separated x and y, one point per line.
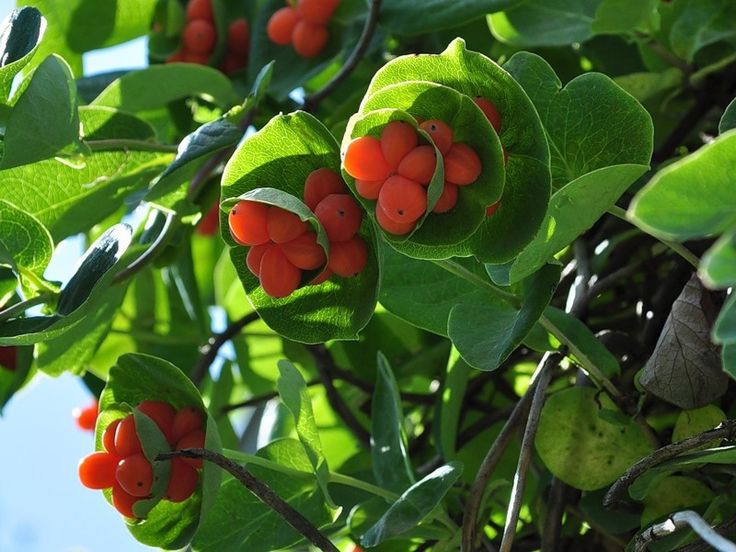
21	32
728	120
700	24
718	265
283	154
406	17
674	494
724	331
698	420
624	17
25	239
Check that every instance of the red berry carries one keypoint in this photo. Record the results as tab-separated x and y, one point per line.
491	209
322	277
238	37
279	277
8	358
369	189
321	183
490	111
195	439
390	226
108	437
198	58
440	132
462	165
280	28
187	419
199	36
200	9
255	256
97	470
348	258
447	200
127	442
398	138
182	481
210	223
403	200
419	164
86	417
317	11
177	57
340	215
283	225
310	39
232	64
247	222
162	414
123	502
364	159
304	252
135	475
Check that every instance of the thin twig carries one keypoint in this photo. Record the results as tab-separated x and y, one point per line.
259	399
23	306
616	495
679	521
725	529
210	350
153	251
311	102
262	491
544	376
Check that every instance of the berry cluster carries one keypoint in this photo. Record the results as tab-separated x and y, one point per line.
199	39
396	170
210	222
124	467
86	417
494	117
8	358
303	26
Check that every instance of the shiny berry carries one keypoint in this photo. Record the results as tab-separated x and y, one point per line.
182	481
304	252
364	159
283	225
162	414
322	277
280	28
238	37
403	200
255	256
210	223
97	470
391	226
199	36
398	138
123	502
348	258
198	58
317	11
369	189
187	419
440	132
462	165
135	475
490	111
340	216
247	222
195	439
319	184
310	39
419	165
86	417
127	442
279	278
200	9
447	200
108	437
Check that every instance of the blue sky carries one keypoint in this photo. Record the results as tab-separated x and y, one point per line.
43	507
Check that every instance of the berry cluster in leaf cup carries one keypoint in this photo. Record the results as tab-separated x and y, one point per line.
123	467
283	248
303	25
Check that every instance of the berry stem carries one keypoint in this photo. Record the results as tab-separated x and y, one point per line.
462	272
123	144
263	492
312	102
21	307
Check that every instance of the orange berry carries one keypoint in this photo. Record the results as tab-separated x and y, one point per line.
86	417
200	9
319	184
317	11
304	252
348	258
340	215
195	439
210	223
398	138
247	222
135	475
162	414
403	200
280	28
177	57
490	111
127	442
283	225
279	277
199	36
447	200
182	481
199	59
8	358
462	165
322	277
491	209
364	159
440	132
390	226
238	37
123	502
255	256
187	419
97	470
310	39
419	165
369	189
233	63
108	437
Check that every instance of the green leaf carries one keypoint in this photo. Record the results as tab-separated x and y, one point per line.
545	22
728	120
107	123
45	119
724	331
25	239
78	26
673	494
696	25
692	197
294	394
153	443
582	448
406	17
450	406
20	35
283	154
414	505
625	17
718	265
728	356
156	86
391	465
486	333
645	86
698	420
526	190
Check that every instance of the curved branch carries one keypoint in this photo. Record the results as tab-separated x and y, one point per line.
149	254
679	521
